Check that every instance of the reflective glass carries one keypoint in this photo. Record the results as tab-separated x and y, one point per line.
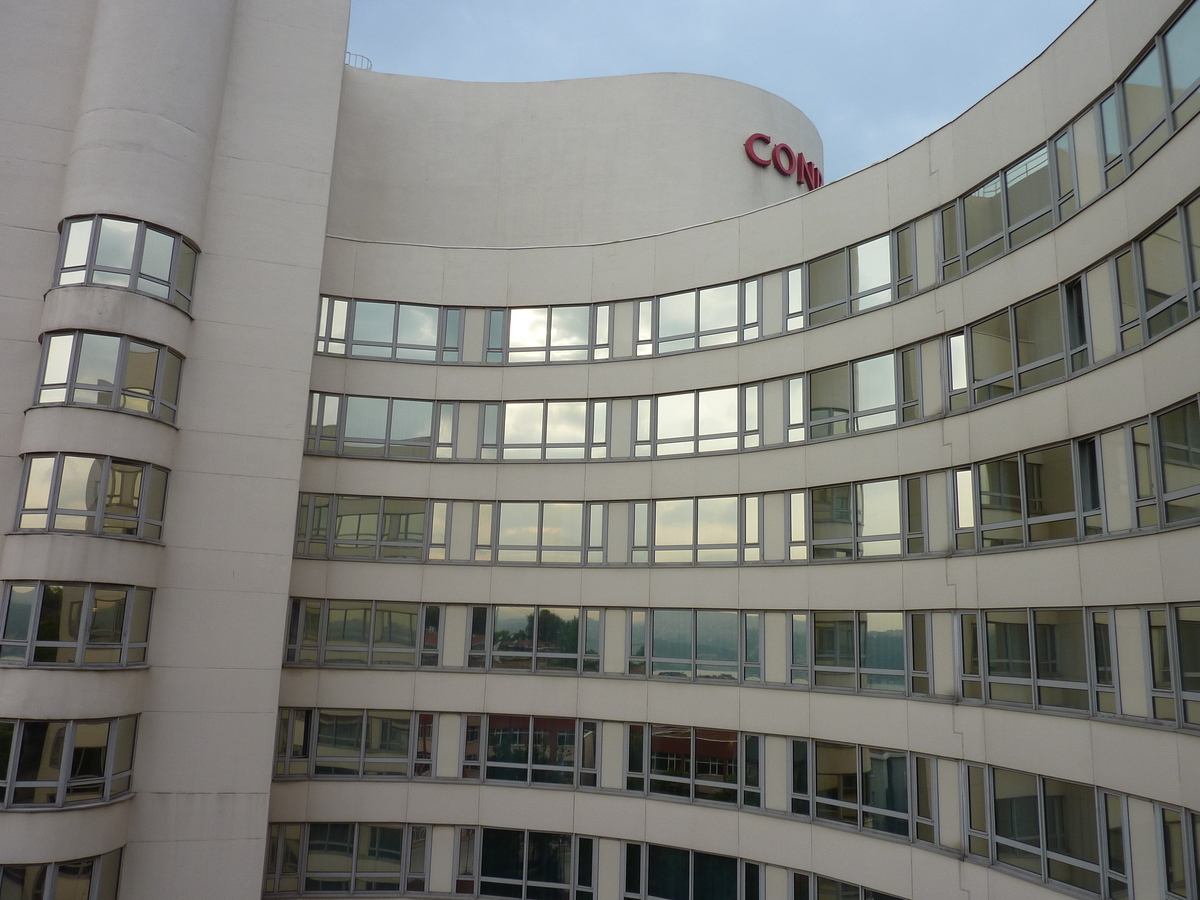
1049	481
566	423
676	416
115	247
411	420
878	508
366	417
527	327
156	254
827	280
1028	184
1162	259
1039	329
98	361
672	634
829	392
1144	98
1070	811
518	524
523	423
569	326
875	382
673	523
716	520
677	314
374	321
870	265
79	237
418	325
718	411
982	213
1060	644
881	640
991	347
1016	812
1188	630
1008	643
1183	52
718	307
717	634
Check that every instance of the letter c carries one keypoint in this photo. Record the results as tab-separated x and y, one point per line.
754	157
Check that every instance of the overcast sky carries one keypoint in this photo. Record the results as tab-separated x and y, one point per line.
873	75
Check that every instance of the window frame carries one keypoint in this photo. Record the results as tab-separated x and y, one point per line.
300	652
63	747
127	648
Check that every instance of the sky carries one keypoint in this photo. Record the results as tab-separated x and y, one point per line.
874	76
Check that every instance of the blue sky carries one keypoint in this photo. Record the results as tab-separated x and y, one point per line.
873	75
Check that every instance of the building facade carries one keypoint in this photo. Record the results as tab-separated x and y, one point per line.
422	488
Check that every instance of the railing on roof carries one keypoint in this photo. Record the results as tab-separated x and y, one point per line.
358	61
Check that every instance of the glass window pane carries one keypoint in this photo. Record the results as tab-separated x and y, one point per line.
677	314
518	524
667	875
1049	481
885	780
562	524
80	485
831	512
718	307
108	616
991	347
569	326
1071	820
418	325
871	265
523	423
566	423
716	519
141	370
374	321
503	853
527	327
875	382
1008	643
1060	643
676	416
673	523
881	639
1144	99
1162	258
1028	184
58	358
672	634
982	214
156	254
366	417
411	420
512	629
98	360
827	280
718	411
549	858
115	247
837	772
1183	53
715	877
1039	329
829	392
879	508
1016	806
79	235
1188	630
717	634
558	630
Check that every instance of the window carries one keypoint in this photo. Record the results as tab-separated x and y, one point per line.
388	427
1055	831
363	633
867	788
107	370
94	878
708	764
530	750
654	872
1174	641
861	651
1180	833
125	254
1018	349
708	317
1181	44
376	329
554	430
533	532
1041	658
346	857
354	743
1029	498
46	624
805	886
502	862
391	529
65	762
855	521
850	281
535	638
92	495
708	421
703	644
549	334
690	531
1179	458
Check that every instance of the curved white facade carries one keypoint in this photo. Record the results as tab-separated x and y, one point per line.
663	531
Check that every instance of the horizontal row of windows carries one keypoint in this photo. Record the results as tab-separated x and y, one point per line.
124	253
65	762
94	878
1136	295
109	371
45	623
1024	200
1138	476
96	495
1062	832
393	859
1061	659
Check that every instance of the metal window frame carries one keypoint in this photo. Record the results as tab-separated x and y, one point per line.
286	762
81	644
173	287
66	753
423	655
277	836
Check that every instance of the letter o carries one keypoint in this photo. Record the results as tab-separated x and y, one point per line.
777	158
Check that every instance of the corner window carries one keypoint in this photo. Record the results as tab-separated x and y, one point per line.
92	495
127	254
79	625
65	762
109	371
